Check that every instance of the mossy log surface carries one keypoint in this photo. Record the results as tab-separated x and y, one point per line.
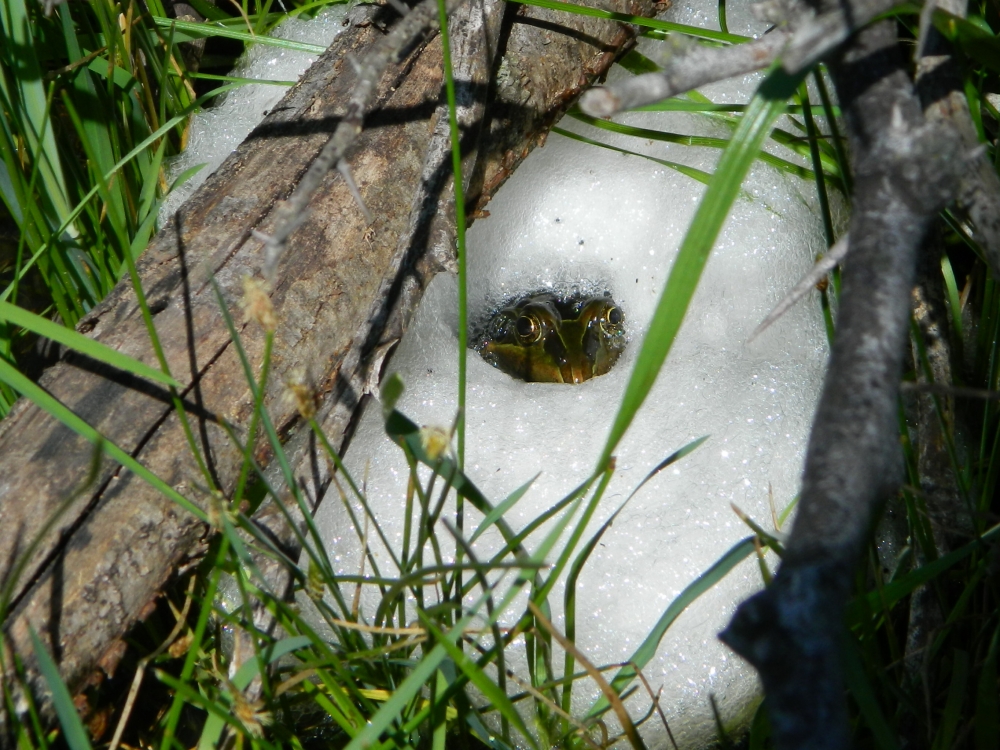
99	568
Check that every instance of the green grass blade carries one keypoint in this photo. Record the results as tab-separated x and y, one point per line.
215	707
479	678
766	106
187	31
69	719
406	434
987	702
53	406
691	140
411	687
683	105
953	703
695	174
649	23
440	716
569	593
895	590
78	342
673	458
814	154
135	152
953	298
150	180
34	103
501	510
739	552
215	723
978	43
864	695
555	574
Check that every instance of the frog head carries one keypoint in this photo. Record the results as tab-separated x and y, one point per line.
542	338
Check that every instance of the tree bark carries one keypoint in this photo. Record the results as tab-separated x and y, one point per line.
906	170
343	291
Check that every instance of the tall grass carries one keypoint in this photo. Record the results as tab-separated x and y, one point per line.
94	98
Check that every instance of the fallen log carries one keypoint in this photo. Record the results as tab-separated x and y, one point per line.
343	291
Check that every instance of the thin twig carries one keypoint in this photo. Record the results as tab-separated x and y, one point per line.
823	266
815	36
687	69
140	670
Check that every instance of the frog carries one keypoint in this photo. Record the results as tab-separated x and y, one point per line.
545	338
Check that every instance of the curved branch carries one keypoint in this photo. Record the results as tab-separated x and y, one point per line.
684	71
906	170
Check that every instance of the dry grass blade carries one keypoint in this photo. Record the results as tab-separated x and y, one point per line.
595	674
938	389
655	698
140	671
823	266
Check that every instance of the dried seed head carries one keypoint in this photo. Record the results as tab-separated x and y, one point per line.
257	304
299	391
251	715
216	509
181	646
434	440
315	585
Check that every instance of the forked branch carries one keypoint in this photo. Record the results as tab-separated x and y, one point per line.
906	170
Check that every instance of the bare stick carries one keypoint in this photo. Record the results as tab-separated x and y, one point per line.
941	89
803	39
906	170
686	70
815	36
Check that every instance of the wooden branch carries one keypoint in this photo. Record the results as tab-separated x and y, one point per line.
688	68
906	170
941	89
342	293
423	18
819	27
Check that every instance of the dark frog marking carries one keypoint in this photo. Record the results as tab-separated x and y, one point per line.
542	338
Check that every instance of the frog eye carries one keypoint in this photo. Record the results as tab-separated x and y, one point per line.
612	319
528	329
500	327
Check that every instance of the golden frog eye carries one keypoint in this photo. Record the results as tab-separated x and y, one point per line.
612	319
528	329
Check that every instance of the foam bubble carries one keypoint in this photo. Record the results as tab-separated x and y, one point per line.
579	214
574	214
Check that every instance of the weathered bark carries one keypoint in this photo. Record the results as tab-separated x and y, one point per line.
343	292
905	171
